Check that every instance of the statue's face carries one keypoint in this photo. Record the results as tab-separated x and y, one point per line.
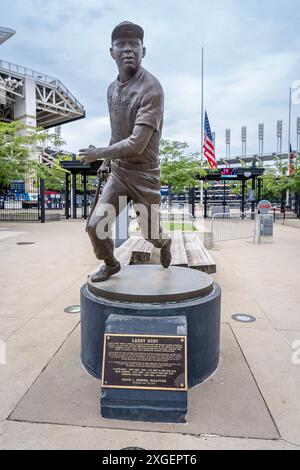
128	54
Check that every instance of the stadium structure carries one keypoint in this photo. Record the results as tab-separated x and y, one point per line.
35	99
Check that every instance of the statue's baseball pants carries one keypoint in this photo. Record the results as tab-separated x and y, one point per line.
142	186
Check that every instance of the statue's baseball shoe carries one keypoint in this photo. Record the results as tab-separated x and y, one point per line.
165	253
105	272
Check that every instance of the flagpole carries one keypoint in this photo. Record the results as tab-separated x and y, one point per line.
289	143
202	117
290	123
202	104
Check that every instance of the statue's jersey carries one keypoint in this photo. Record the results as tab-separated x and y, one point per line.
140	100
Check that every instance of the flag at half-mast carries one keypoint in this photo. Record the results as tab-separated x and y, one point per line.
209	146
292	162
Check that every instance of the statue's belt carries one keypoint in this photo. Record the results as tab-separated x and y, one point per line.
130	166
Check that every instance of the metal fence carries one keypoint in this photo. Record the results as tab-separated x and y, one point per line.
291	222
20	201
179	216
25	200
288	218
279	216
225	227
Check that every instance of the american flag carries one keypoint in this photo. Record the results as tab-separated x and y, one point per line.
292	161
209	146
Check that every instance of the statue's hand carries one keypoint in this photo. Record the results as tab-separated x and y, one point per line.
88	155
104	169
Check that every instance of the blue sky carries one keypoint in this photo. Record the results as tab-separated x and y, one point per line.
252	56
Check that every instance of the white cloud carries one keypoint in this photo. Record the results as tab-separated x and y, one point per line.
89	131
253	92
251	57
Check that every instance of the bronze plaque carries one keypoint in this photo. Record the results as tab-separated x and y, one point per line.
145	362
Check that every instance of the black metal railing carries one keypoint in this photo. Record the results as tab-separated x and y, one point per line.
20	200
26	200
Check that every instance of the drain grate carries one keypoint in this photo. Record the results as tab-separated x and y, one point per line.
72	309
25	243
243	318
132	448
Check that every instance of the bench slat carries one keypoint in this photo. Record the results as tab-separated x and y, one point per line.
179	257
197	255
124	252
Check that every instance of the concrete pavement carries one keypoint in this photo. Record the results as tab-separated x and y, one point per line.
258	367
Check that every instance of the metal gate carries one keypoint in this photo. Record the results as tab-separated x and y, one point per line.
26	200
20	201
225	227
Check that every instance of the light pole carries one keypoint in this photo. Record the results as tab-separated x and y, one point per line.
279	137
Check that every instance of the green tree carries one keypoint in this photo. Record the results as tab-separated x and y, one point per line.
276	180
55	175
179	169
294	180
17	146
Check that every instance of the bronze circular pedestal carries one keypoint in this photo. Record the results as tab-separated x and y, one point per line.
153	284
150	291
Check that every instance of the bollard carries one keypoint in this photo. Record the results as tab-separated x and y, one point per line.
257	233
208	240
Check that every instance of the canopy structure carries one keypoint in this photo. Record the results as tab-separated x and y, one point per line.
76	167
5	34
35	99
242	174
221	176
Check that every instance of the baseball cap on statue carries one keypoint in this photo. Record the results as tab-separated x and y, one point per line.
127	29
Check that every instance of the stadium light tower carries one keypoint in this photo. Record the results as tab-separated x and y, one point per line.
244	141
227	139
5	34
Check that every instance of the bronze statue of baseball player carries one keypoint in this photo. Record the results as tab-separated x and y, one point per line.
136	108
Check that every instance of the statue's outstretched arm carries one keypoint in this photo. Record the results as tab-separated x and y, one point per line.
133	146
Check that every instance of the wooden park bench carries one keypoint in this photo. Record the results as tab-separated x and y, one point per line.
198	256
187	251
135	250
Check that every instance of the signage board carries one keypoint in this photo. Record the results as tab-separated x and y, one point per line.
17	186
264	207
145	362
